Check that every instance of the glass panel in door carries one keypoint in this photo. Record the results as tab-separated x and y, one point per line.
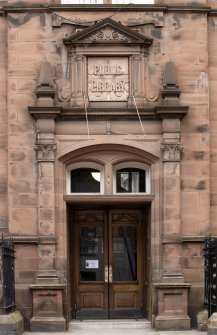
124	245
91	253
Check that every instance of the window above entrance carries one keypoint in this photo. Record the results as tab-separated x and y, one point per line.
132	178
84	178
89	178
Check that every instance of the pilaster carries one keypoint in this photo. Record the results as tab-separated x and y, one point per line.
47	292
172	292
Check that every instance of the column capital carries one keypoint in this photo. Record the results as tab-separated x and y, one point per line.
171	151
45	151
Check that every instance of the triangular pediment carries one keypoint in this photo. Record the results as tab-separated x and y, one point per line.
108	31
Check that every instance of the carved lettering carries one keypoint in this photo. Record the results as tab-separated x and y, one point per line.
100	86
108	79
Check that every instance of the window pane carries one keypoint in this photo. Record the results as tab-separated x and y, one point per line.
130	180
124	254
82	2
122	182
135	182
85	180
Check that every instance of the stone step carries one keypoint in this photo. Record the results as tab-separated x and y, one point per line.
111	324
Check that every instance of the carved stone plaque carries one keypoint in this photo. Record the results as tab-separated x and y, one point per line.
108	79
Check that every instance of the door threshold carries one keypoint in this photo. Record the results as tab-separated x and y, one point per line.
110	323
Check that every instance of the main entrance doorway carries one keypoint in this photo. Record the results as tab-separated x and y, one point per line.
108	267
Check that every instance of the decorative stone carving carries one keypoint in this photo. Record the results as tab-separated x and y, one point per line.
108	34
45	91
171	151
108	79
45	151
63	90
170	89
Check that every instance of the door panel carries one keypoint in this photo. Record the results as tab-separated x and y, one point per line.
108	264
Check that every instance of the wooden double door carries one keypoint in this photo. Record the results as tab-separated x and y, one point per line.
108	267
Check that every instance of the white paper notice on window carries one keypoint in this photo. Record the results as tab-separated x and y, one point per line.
92	263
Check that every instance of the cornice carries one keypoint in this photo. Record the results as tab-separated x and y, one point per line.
23	8
78	113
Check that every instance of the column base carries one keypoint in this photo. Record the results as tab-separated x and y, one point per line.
47	308
172	306
11	324
47	324
172	323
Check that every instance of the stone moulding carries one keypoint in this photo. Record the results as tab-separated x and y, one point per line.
171	151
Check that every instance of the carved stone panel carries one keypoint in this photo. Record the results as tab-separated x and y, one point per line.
108	79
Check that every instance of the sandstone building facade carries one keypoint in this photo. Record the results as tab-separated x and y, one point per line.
108	181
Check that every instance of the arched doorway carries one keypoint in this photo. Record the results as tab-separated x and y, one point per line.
109	232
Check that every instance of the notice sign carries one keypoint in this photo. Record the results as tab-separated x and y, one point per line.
108	79
92	264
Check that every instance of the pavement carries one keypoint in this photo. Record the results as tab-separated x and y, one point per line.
115	327
121	332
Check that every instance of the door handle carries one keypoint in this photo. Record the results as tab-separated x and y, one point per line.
110	274
106	274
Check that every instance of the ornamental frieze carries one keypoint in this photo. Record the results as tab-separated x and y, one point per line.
171	151
45	151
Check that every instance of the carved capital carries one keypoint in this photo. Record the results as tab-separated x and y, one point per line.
45	151
171	151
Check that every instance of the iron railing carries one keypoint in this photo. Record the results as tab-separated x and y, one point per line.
7	283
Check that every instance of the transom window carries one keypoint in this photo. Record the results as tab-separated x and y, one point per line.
132	178
88	178
85	177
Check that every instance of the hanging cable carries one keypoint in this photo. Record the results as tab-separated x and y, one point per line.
84	24
87	122
143	130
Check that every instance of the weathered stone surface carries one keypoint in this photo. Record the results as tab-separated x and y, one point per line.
11	324
202	319
34	184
